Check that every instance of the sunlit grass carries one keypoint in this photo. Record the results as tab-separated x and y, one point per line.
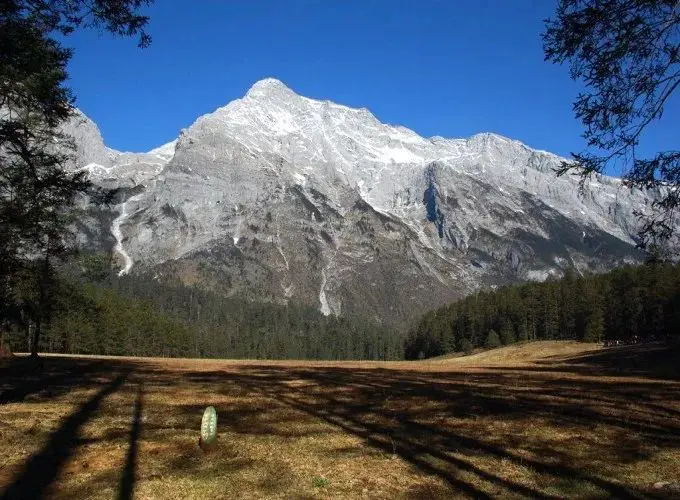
353	430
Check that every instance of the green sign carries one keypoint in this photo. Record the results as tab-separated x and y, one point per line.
209	426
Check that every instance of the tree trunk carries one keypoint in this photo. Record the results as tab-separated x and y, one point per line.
29	335
43	284
35	339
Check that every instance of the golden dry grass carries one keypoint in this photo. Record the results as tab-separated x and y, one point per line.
530	352
549	420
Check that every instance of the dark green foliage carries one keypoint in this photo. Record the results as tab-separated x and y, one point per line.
141	316
118	17
627	53
628	304
594	329
38	193
523	334
238	328
508	334
492	340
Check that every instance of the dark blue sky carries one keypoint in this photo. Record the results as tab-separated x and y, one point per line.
439	67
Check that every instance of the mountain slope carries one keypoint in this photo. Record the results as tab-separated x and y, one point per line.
280	197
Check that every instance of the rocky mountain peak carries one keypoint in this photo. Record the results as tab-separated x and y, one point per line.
288	198
270	88
268	85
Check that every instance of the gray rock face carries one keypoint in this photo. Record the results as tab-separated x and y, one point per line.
281	197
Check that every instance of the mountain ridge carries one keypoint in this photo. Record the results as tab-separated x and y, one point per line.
288	198
270	82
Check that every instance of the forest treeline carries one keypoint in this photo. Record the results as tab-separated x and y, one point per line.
628	304
137	315
96	312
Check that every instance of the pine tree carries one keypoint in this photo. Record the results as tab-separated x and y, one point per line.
626	53
522	332
493	340
37	192
594	330
550	312
508	334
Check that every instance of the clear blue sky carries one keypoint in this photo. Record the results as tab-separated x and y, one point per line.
439	67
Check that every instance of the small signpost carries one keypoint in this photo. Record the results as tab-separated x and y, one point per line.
208	437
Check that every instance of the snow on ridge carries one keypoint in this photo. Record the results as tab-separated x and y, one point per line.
267	84
271	106
383	159
95	168
166	150
252	151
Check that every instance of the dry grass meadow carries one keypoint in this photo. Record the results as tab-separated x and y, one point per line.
543	420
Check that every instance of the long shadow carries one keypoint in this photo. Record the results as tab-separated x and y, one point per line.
653	360
406	437
412	451
399	413
127	482
41	470
562	400
24	377
354	401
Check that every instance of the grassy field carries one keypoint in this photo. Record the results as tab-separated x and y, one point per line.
543	420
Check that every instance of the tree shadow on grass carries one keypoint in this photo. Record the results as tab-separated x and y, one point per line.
429	419
357	402
127	482
41	469
654	360
24	377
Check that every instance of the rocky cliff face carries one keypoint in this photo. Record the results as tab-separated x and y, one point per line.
280	197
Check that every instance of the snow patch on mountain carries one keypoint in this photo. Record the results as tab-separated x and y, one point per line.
282	179
165	152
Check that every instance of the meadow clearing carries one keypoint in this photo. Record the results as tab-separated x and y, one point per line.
540	420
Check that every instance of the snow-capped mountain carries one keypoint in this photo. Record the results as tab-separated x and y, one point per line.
281	197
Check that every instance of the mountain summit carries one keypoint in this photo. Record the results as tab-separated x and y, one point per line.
280	197
268	85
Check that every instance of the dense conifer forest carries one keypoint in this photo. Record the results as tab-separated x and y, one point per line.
629	304
96	312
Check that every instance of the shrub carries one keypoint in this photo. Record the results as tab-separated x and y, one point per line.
320	482
466	346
